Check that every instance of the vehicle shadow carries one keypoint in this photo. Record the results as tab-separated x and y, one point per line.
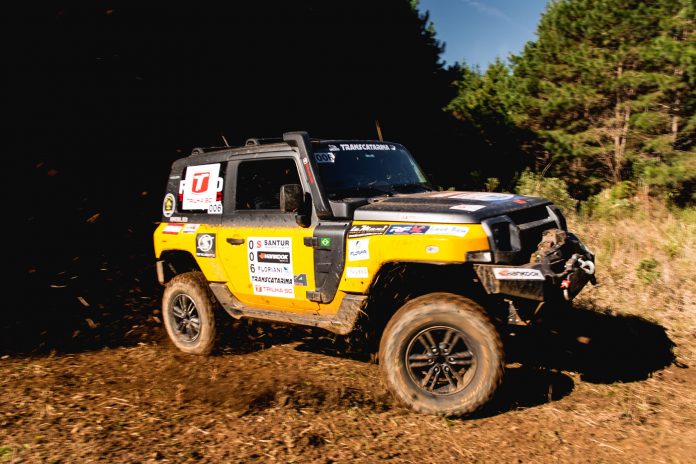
597	343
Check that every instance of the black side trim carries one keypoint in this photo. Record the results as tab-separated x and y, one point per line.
341	323
329	259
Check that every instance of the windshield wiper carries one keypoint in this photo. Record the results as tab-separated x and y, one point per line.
411	188
368	191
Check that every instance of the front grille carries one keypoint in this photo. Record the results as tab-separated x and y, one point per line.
516	235
524	216
530	238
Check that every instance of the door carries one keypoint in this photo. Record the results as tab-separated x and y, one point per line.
263	250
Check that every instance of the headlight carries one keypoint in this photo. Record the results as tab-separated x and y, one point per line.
479	256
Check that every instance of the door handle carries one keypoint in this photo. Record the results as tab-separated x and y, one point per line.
235	241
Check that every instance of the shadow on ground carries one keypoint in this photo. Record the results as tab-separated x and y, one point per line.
599	344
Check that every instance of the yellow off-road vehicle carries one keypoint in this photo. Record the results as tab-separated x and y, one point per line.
329	233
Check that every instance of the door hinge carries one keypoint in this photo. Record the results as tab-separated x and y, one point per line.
311	241
314	296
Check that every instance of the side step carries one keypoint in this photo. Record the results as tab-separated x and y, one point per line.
341	323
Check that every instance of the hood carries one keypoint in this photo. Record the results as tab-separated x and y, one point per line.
446	207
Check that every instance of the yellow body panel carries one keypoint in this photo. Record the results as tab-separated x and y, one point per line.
424	248
235	259
232	264
211	267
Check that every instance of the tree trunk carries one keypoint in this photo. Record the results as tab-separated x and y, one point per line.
620	125
676	107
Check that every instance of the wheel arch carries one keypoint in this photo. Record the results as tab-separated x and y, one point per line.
175	262
398	282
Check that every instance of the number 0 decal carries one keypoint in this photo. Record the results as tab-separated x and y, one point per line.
324	157
215	208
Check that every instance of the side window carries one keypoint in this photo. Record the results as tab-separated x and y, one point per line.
259	181
201	188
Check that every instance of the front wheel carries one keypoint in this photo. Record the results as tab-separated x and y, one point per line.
188	310
440	354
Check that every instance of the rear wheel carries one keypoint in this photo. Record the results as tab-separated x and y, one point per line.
440	354
188	310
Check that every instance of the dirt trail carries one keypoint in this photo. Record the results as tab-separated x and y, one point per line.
603	388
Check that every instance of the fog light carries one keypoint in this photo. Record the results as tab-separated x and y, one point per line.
479	256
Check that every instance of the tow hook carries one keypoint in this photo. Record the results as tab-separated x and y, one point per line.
586	265
576	261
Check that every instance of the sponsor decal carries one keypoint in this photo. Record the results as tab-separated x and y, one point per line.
366	146
442	194
407	229
359	250
201	186
168	205
469	208
271	280
483	196
305	162
190	228
274	290
516	273
205	245
334	148
520	202
365	230
457	231
325	241
270	268
325	157
178	219
273	257
268	244
356	272
432	249
172	229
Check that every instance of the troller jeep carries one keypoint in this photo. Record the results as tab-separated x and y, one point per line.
333	233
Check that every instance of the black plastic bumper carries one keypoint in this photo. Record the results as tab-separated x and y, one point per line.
558	270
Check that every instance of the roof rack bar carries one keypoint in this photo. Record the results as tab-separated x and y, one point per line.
262	141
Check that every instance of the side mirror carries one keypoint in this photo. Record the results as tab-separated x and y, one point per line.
291	198
294	200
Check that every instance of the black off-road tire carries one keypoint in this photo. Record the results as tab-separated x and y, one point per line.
465	321
190	287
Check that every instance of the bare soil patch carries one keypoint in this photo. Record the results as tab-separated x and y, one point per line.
601	388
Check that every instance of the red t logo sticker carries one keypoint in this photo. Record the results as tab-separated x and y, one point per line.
200	182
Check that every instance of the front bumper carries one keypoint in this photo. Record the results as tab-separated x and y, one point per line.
559	268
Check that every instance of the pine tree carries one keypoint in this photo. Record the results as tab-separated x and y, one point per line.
606	85
608	89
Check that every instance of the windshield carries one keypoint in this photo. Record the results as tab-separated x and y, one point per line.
367	170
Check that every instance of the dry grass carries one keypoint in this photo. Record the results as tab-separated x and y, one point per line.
646	266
